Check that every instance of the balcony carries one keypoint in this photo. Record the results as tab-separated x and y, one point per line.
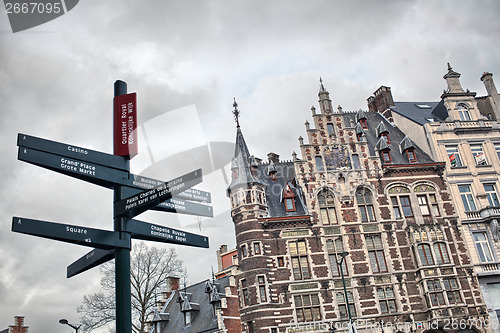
483	214
488	268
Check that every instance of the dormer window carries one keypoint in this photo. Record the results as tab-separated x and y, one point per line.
386	156
273	176
289	198
412	157
363	124
359	136
235	173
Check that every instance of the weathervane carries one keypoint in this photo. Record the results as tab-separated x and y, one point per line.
236	113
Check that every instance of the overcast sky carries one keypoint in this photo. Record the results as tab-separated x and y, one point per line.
187	60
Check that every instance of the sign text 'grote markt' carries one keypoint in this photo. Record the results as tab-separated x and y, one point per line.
133	195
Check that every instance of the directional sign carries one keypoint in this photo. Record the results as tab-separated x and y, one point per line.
139	203
90	172
90	260
101	239
146	183
70	151
175	205
158	233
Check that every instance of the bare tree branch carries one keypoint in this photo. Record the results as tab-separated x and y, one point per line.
149	269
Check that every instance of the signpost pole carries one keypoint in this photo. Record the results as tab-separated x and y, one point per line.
122	255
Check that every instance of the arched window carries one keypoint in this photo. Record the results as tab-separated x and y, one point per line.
365	204
425	254
327	211
441	253
463	112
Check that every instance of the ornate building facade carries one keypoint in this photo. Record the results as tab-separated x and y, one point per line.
361	226
462	130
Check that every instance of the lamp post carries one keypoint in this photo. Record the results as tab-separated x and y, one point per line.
344	254
65	322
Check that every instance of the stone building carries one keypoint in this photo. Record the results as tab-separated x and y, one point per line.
461	130
361	225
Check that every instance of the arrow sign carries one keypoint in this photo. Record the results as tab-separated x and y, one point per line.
158	233
147	183
101	239
90	172
70	151
139	203
90	260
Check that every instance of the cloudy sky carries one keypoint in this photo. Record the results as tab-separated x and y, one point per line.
187	60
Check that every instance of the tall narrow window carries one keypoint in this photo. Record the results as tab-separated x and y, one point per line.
467	197
406	205
307	308
244	292
441	253
478	153
256	248
492	194
327	210
425	254
244	251
289	198
300	263
319	164
342	304
434	205
386	299
334	248
365	205
482	247
463	112
376	254
329	127
386	136
424	206
355	161
497	149
395	207
363	124
262	288
454	156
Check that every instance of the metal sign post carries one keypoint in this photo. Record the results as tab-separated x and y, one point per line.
133	195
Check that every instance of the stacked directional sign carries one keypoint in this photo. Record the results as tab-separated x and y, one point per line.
139	195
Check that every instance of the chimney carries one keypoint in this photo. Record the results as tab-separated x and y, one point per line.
275	158
18	326
381	100
487	79
172	285
219	252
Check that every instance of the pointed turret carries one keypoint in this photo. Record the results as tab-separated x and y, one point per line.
325	103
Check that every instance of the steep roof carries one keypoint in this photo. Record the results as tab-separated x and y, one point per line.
203	319
243	162
396	137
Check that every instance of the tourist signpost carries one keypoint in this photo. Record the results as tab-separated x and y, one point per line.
133	195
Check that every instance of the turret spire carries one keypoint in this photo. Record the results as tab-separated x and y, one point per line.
321	86
236	114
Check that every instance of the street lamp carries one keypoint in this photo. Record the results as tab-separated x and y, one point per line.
342	255
65	322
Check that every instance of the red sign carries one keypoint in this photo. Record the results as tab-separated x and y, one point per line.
125	125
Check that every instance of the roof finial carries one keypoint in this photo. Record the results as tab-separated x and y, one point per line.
449	68
321	86
236	113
